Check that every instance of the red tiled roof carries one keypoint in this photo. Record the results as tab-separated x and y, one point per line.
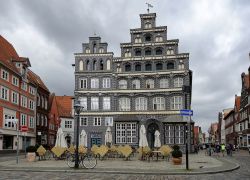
64	105
33	77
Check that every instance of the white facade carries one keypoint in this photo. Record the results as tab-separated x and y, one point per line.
67	125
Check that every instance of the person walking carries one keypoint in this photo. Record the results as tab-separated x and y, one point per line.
223	149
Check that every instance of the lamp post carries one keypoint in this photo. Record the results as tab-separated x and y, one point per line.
78	108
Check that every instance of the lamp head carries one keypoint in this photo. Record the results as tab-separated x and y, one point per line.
77	106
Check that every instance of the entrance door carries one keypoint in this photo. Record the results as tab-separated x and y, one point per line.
151	134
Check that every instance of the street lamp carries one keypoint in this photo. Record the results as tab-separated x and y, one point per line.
78	108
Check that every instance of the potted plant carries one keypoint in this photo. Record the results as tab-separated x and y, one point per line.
177	155
31	153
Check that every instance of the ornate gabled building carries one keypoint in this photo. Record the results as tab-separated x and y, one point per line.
148	85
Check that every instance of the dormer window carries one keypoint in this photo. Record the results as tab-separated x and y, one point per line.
170	51
101	50
137	40
87	50
148	25
127	53
158	39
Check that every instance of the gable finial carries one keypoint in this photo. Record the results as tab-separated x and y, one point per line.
149	6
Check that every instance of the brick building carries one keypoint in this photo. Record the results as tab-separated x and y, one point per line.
17	98
149	84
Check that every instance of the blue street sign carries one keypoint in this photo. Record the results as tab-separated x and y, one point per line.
186	112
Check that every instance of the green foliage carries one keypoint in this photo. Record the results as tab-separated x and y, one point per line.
31	149
176	153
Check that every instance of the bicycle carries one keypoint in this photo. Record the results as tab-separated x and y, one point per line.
86	160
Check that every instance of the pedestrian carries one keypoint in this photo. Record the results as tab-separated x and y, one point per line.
217	149
223	149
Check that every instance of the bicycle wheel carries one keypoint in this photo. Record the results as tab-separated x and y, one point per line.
89	161
70	160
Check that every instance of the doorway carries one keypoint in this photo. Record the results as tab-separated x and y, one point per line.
151	134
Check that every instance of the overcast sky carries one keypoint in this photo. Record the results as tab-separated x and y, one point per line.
215	33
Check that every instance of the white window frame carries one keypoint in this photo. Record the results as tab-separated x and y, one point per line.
23	120
178	82
164	83
4	93
97	121
123	84
83	102
94	103
9	124
83	121
94	83
31	122
159	103
24	86
15	81
136	84
149	83
83	83
5	75
126	133
106	103
106	83
24	101
108	121
141	104
176	103
31	104
124	104
68	124
31	90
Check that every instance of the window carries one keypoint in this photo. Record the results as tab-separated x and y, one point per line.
170	51
83	102
94	65
178	82
81	66
15	97
31	104
83	121
4	93
127	67
18	65
170	65
101	50
24	86
15	81
68	124
5	75
108	121
23	119
45	103
148	25
148	52
137	52
94	47
97	121
31	122
101	65
179	134
42	119
83	83
137	67
148	67
122	84
88	65
126	133
158	39
148	38
181	66
94	83
38	119
106	82
141	103
137	40
23	101
159	66
176	103
164	83
94	103
8	117
158	51
159	103
127	53
108	64
169	134
106	103
87	50
149	83
124	104
32	90
136	84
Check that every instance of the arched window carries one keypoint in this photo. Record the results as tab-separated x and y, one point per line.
137	40
138	67
94	65
141	104
158	51
101	50
148	52
147	37
137	52
136	84
88	65
159	66
148	67
124	104
164	83
158	39
181	66
101	65
108	64
159	103
127	67
87	50
94	47
170	65
127	53
149	83
170	51
148	25
123	84
81	65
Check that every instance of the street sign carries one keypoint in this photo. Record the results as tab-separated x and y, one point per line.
186	112
24	128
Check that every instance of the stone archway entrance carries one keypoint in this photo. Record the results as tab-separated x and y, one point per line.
151	134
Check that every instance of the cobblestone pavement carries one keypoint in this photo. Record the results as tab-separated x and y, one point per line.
241	174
